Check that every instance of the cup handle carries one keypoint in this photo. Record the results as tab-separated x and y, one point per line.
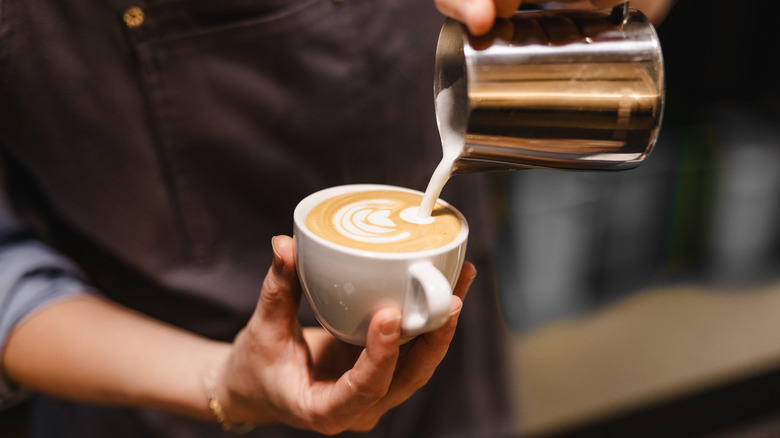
427	301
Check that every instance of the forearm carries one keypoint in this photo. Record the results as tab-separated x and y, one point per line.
90	349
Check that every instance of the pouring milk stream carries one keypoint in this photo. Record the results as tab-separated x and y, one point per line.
452	145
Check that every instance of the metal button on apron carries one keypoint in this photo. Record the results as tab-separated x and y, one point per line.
133	16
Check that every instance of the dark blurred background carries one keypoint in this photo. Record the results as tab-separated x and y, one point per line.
647	302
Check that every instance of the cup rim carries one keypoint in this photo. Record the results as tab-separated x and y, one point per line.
307	203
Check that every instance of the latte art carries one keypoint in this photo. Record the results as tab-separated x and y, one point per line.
369	221
382	220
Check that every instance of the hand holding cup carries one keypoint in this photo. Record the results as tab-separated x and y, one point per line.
278	371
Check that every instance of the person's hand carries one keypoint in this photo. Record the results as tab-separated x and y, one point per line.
479	15
279	372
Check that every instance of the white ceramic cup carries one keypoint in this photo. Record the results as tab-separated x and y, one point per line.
345	287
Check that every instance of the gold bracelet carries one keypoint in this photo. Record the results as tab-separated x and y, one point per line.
219	414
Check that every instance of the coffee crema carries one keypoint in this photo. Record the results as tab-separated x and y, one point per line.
383	221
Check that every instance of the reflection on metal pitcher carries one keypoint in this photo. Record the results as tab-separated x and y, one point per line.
578	90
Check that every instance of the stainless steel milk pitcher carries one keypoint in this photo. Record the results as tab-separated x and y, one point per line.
561	89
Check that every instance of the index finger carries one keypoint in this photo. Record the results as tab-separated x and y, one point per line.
369	380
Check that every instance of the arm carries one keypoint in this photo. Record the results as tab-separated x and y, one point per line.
32	276
89	349
58	336
478	15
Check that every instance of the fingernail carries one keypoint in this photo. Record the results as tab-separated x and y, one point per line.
465	10
390	326
457	311
278	261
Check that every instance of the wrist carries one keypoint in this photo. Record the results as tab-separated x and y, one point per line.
218	412
232	396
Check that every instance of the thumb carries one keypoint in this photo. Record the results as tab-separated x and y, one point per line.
477	15
281	294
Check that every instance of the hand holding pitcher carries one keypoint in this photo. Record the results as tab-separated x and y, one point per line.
478	15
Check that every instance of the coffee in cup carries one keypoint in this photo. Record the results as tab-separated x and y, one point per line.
382	220
363	247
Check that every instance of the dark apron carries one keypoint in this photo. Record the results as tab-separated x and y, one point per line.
162	156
